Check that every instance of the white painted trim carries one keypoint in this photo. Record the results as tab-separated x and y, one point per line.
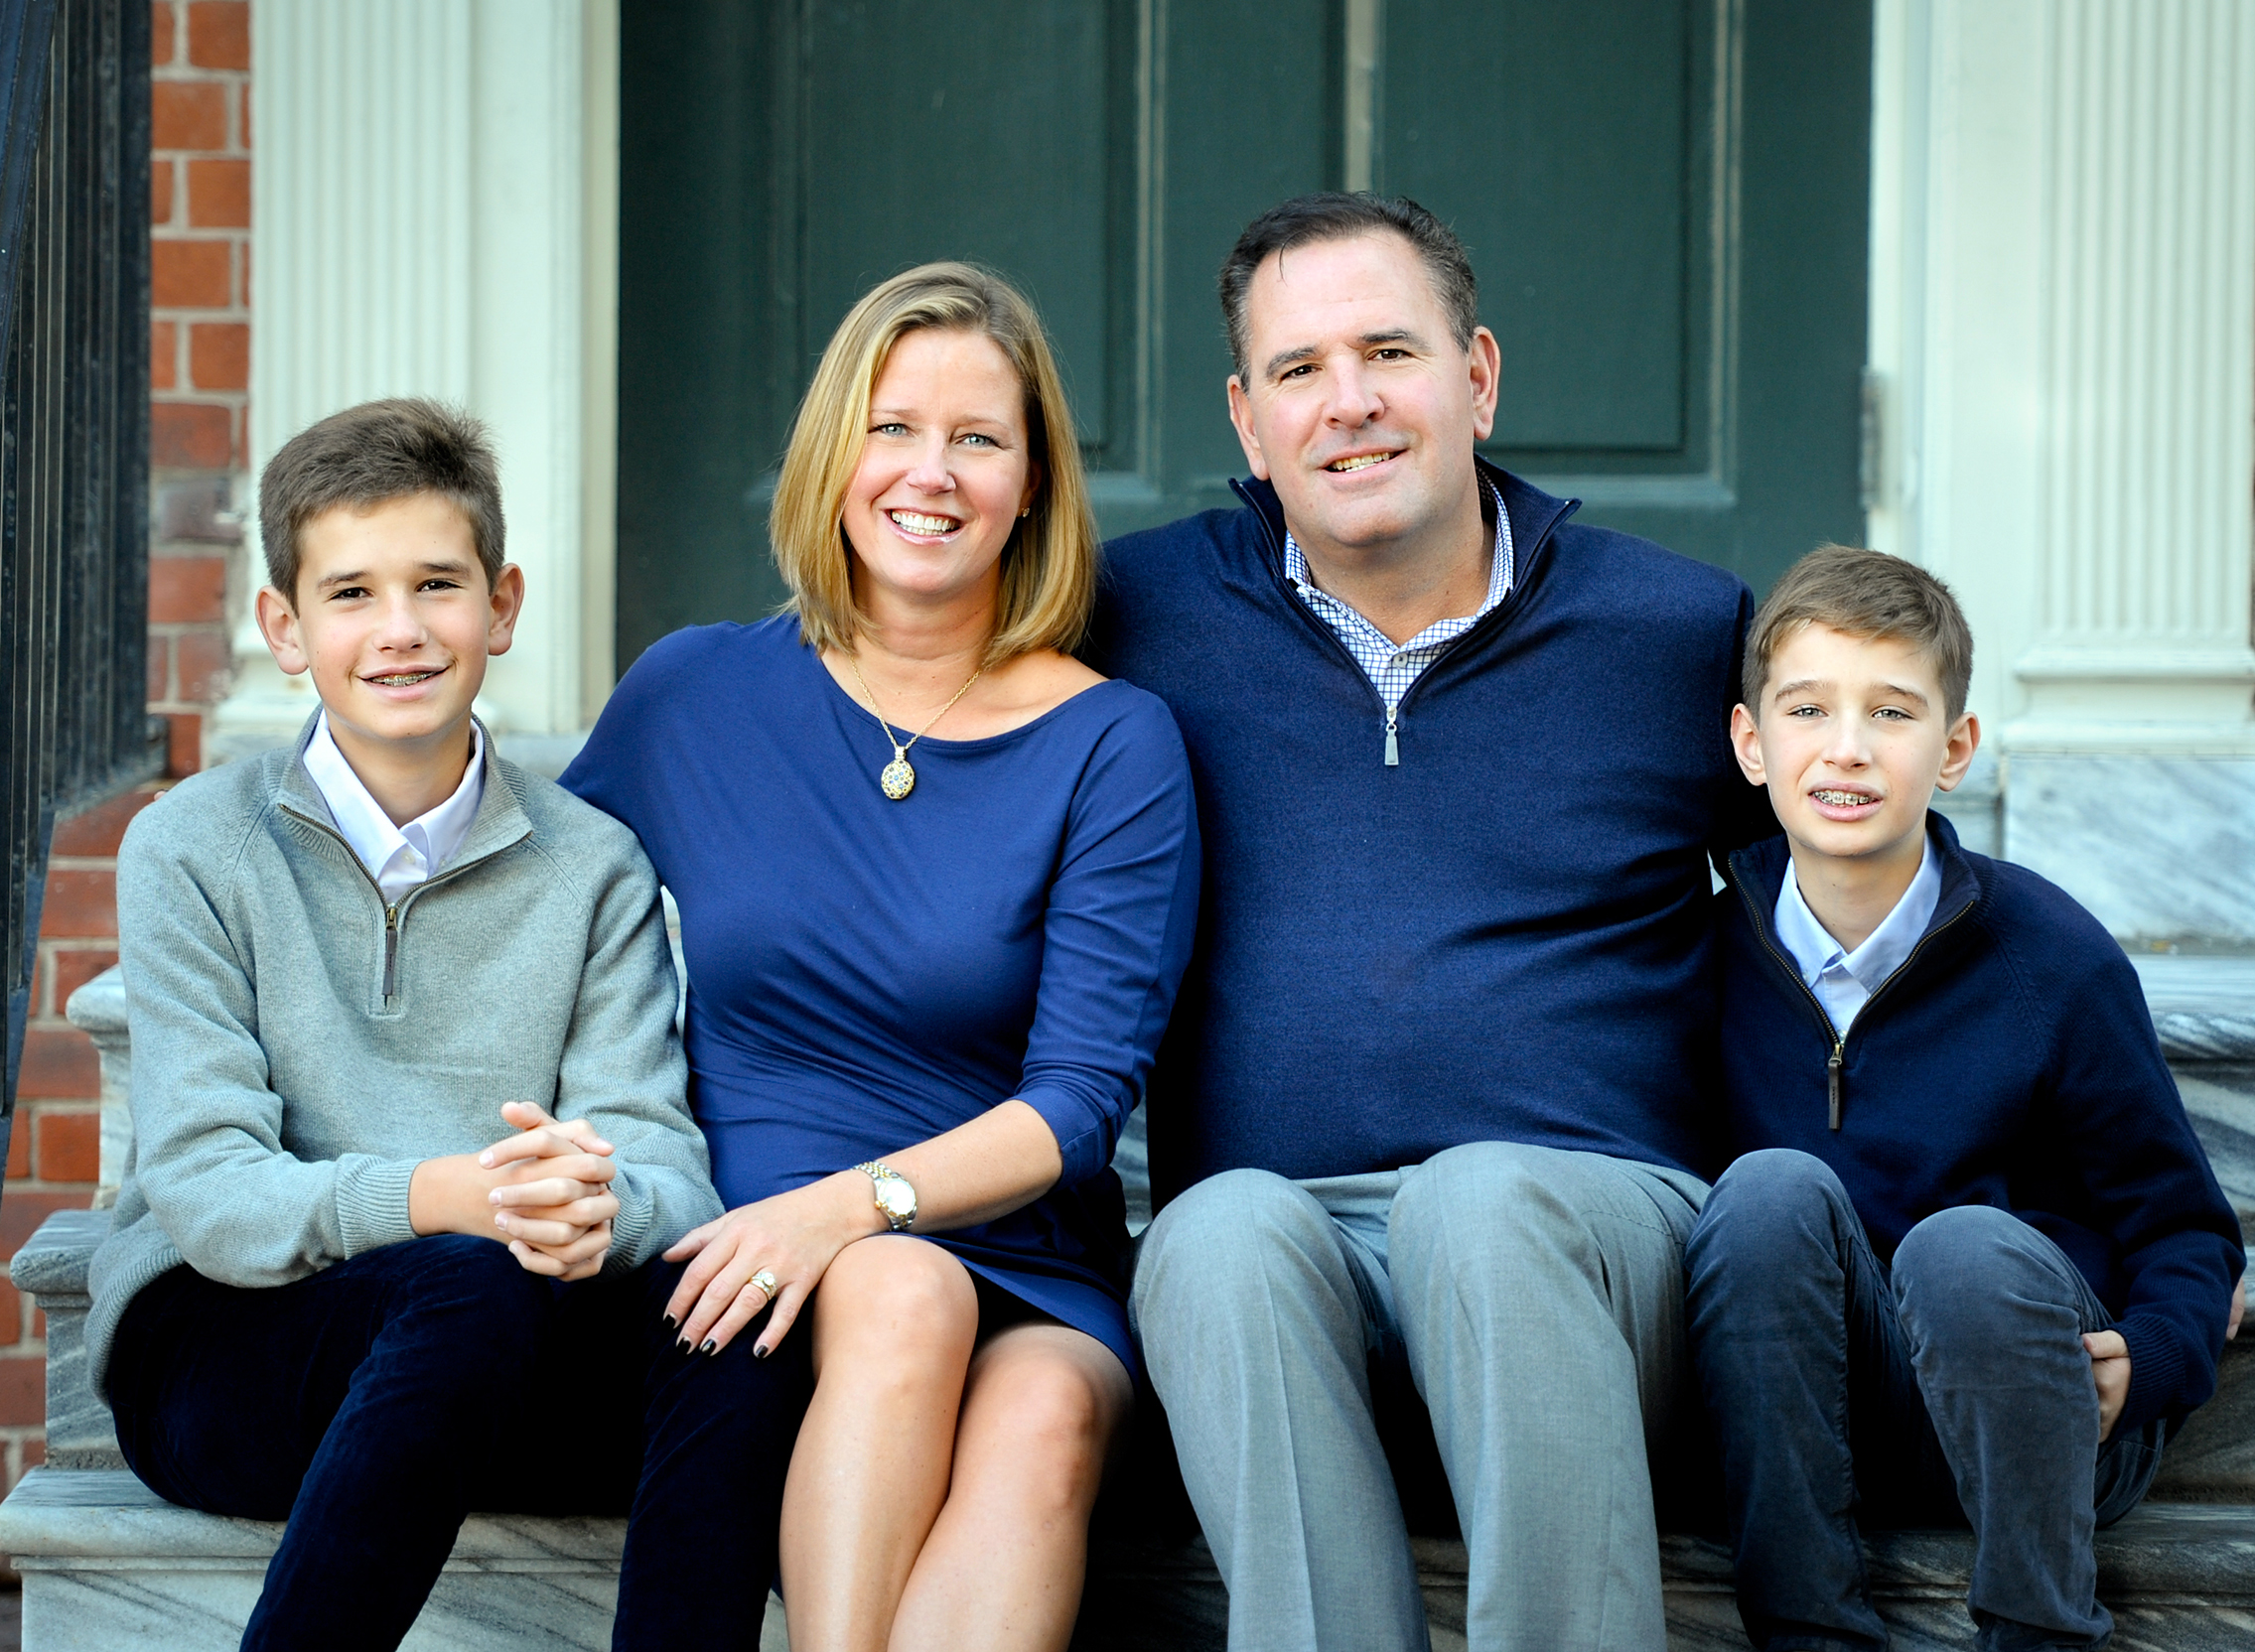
422	226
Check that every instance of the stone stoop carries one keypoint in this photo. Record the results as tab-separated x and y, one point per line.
108	1565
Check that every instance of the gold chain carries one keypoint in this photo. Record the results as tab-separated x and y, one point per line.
898	778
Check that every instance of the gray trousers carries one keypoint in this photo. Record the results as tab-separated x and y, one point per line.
1537	1298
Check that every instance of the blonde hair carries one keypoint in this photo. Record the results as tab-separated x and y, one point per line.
1048	565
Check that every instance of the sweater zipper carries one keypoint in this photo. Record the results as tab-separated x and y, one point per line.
396	911
1834	1083
1391	723
1835	1080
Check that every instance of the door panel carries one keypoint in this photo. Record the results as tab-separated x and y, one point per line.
1664	200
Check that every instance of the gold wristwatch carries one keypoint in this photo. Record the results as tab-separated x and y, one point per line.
896	1199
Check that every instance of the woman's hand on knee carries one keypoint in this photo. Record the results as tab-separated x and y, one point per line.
768	1255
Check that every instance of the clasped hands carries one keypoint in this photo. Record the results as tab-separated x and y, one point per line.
544	1190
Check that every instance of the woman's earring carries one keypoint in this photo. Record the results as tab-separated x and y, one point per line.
1027	511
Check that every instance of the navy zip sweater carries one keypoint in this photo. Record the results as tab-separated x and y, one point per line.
1505	936
2009	1062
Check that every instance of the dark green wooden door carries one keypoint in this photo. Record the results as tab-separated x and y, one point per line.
1665	201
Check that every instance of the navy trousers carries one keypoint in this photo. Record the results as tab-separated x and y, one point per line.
376	1404
1952	1386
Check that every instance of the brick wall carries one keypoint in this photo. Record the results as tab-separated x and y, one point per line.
199	412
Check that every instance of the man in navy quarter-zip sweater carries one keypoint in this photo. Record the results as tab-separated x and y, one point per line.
1435	1094
1973	1258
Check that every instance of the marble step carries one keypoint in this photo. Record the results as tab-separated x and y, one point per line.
108	1565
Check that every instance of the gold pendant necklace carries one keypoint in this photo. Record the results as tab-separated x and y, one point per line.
897	779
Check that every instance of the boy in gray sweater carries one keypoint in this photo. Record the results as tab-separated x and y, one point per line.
409	1129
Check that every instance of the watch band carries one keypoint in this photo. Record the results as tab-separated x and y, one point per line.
898	1217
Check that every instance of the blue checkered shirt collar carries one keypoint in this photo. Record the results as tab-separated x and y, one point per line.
1392	667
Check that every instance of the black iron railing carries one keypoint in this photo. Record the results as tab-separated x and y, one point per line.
74	436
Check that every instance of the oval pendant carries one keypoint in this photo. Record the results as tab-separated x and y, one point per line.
898	779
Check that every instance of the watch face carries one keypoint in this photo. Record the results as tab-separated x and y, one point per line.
896	1196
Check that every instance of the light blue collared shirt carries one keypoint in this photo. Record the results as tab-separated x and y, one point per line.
1843	979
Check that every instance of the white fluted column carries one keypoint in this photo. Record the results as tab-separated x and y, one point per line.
2063	331
422	226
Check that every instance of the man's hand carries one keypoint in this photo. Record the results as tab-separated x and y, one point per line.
2238	1308
2110	1371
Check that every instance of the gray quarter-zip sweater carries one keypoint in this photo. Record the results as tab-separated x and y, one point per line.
299	1046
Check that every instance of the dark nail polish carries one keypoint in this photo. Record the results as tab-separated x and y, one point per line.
672	1323
758	1353
681	1344
711	1348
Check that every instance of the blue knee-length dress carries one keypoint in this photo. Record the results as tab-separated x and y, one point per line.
864	974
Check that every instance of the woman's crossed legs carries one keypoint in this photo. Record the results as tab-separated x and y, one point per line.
940	1490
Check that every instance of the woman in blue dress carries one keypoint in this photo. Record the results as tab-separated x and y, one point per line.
938	883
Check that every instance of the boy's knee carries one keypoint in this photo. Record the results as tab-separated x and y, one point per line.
1958	1269
472	1294
1776	1196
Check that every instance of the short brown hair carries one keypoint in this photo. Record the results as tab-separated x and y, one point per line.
1332	216
368	455
1048	566
1863	593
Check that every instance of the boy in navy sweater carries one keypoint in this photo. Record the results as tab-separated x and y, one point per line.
1973	1258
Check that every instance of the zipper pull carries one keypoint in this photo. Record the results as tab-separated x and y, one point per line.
1832	1084
391	957
1393	750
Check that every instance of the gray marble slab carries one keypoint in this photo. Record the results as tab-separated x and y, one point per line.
2158	848
110	1565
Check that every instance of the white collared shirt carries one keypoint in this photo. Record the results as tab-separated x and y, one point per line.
1843	979
397	856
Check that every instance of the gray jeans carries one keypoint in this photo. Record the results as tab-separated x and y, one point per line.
1537	1297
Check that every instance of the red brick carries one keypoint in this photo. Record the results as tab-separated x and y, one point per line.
246	117
219	34
190	275
19	1147
21	1212
189	436
206	666
80	906
187	114
73	969
69	1146
98	830
218	355
184	743
35	1452
23	1391
59	1064
187	590
160	194
160	32
218	194
164	356
10	1313
159	657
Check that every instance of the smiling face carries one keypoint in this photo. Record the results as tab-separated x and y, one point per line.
394	619
1853	740
943	475
1361	408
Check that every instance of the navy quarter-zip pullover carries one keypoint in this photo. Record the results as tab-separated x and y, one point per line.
1502	937
2009	1062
